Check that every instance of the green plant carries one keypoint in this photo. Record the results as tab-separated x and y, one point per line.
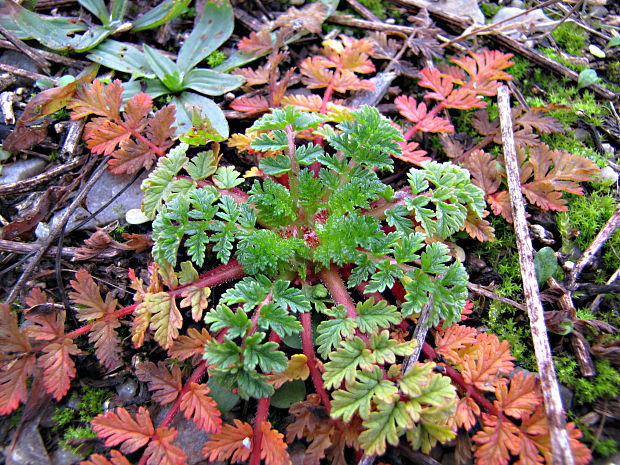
181	78
56	33
571	37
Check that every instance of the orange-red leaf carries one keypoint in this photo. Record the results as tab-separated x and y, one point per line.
87	294
479	228
256	43
411	154
491	358
116	458
453	338
166	385
201	409
161	451
233	442
254	104
136	111
36	296
13	383
497	440
273	448
120	428
467	413
254	77
192	345
521	398
500	204
104	135
485	69
58	366
440	84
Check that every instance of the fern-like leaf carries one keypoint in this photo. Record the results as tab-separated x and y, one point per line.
201	409
120	428
233	442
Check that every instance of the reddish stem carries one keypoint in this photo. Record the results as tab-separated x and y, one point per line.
261	418
308	348
335	286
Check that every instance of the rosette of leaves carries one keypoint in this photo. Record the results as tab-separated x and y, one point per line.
321	212
181	79
60	33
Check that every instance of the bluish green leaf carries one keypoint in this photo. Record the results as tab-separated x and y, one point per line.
209	82
163	12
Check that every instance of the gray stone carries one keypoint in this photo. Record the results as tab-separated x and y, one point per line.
29	448
104	189
461	8
127	391
609	175
65	457
19	60
22	169
523	26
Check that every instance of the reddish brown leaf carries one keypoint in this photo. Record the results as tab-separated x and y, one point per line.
233	443
104	135
13	382
160	129
201	409
500	204
463	99
136	110
58	366
485	69
97	99
254	77
411	154
87	294
107	342
120	428
166	385
256	43
483	169
479	228
534	119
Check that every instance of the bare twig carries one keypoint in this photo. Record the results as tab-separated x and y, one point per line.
26	50
67	252
27	184
362	10
492	295
603	235
560	445
580	348
25	73
56	230
599	298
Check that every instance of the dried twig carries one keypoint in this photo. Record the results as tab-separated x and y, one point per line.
25	73
67	252
492	295
603	235
27	184
560	445
26	50
599	298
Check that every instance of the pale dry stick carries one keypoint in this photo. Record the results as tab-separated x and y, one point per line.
560	444
599	298
74	137
603	235
27	184
56	230
580	347
23	248
492	295
25	73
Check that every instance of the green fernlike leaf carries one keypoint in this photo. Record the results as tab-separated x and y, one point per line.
385	425
346	361
223	317
226	177
280	118
358	398
263	354
332	331
276	318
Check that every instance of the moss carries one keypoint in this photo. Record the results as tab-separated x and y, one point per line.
216	58
490	9
551	53
521	67
91	403
571	38
605	385
376	6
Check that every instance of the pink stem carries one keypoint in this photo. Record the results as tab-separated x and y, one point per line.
308	348
335	286
261	418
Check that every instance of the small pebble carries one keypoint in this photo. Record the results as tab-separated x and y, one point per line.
127	390
609	175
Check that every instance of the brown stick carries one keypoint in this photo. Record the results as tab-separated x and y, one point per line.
560	445
27	184
67	252
26	50
25	73
599	298
492	295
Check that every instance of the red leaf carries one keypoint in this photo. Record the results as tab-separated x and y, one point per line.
13	383
233	442
254	77
254	104
410	109
132	156
47	326
103	135
160	130
485	69
440	84
36	296
165	385
273	447
201	409
500	204
87	294
479	228
161	451
411	155
463	99
498	439
120	428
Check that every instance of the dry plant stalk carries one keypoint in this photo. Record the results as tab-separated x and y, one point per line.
562	454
